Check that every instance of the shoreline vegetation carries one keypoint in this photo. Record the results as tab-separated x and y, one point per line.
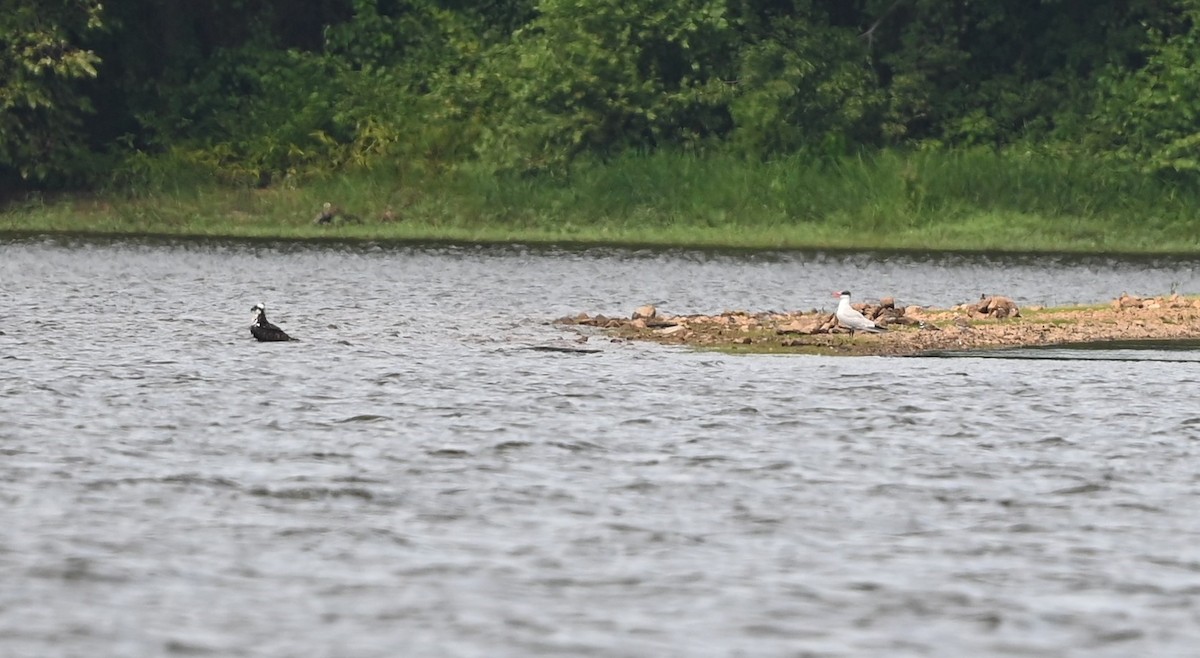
990	323
965	200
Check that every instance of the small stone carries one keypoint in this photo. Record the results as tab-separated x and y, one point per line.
1128	301
805	326
646	311
998	306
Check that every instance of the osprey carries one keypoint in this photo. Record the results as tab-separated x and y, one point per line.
263	330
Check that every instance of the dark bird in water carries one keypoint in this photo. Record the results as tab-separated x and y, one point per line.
264	330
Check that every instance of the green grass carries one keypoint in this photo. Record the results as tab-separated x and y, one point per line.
964	200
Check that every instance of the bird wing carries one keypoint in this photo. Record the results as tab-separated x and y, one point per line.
854	319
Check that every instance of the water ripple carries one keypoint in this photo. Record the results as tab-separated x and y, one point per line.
418	477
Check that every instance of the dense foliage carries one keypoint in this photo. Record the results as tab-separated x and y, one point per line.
42	97
264	92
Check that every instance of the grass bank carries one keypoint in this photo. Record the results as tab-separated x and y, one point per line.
977	200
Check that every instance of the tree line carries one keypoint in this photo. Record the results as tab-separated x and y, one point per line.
254	91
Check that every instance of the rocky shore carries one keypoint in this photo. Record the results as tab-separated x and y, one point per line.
992	322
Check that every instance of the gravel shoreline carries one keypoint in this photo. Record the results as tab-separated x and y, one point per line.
911	330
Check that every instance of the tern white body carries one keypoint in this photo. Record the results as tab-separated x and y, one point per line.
852	319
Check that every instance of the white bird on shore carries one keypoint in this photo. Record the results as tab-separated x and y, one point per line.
852	319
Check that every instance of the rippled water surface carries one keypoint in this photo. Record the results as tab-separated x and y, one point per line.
411	480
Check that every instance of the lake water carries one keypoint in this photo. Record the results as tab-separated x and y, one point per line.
410	479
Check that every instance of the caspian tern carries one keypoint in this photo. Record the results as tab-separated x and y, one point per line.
263	330
852	319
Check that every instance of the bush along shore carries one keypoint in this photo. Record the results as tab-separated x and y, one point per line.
974	200
992	322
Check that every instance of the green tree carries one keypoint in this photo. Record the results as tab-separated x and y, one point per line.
1149	113
996	71
41	105
803	83
601	76
252	98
